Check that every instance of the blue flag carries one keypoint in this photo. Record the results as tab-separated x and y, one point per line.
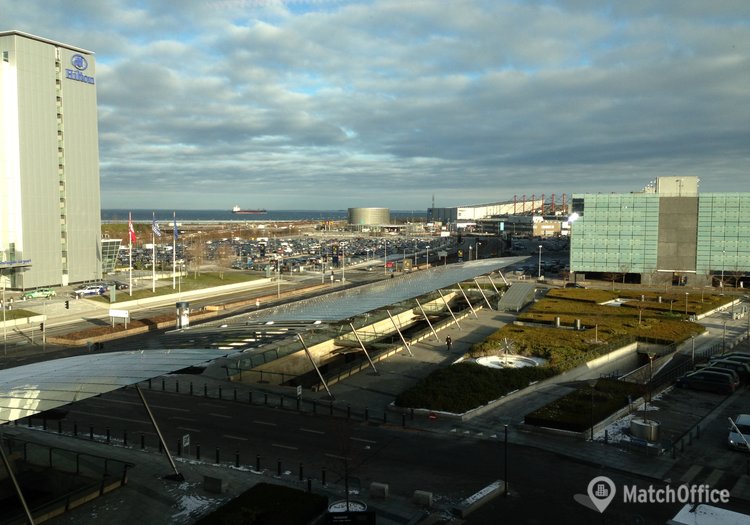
174	217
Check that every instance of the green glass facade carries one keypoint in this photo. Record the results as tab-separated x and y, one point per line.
723	233
615	233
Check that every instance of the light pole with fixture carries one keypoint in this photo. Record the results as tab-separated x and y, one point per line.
539	271
686	302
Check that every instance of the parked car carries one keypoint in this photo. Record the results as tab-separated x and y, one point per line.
739	440
119	285
709	381
574	285
39	293
731	373
737	356
90	289
742	369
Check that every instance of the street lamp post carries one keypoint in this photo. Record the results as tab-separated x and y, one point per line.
592	384
686	302
539	271
470	248
428	256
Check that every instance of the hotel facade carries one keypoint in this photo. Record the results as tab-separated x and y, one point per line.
668	233
49	163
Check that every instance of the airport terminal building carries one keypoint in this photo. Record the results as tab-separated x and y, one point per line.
49	173
667	233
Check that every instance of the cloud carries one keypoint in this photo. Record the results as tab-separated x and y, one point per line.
329	104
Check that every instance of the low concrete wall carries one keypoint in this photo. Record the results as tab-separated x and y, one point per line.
183	296
34	319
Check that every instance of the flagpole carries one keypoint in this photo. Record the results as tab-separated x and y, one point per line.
174	247
130	254
153	253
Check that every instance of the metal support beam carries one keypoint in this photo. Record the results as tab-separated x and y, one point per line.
177	476
427	319
13	479
309	356
406	345
363	348
482	292
467	301
493	282
449	308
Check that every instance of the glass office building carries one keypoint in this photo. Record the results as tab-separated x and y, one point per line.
667	233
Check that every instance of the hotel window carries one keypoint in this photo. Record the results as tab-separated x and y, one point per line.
5	56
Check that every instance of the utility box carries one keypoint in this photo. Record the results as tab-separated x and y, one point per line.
183	314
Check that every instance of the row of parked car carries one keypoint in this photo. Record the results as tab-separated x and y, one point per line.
84	290
722	374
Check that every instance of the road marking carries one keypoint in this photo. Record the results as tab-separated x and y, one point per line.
288	447
311	431
229	436
691	473
180	418
267	423
335	456
363	440
219	415
188	429
713	479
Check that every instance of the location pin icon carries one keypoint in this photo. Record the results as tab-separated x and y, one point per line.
601	490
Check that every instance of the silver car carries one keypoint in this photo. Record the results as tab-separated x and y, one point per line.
739	440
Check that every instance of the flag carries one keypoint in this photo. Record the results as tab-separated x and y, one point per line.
174	217
155	226
131	231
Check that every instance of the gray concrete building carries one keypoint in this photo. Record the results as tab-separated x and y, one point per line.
49	174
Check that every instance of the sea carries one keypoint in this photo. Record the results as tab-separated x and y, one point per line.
118	216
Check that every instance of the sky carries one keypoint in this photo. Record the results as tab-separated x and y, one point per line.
331	104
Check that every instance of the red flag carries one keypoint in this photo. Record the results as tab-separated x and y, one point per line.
131	231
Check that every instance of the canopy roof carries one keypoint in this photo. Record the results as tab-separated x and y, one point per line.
30	389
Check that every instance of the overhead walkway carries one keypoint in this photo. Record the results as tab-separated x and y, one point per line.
516	297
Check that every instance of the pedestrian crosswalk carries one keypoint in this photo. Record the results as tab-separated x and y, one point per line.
716	479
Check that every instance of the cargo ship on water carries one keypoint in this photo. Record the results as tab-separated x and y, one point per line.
240	211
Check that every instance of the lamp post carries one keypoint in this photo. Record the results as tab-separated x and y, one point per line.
592	384
428	256
470	248
539	271
385	258
686	302
651	356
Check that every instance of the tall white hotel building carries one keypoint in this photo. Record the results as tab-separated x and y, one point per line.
50	232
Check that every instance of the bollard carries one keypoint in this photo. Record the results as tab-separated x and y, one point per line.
124	438
301	471
250	397
367	414
161	448
108	436
91	432
44	423
163	385
309	484
191	388
237	458
198	451
205	390
28	422
265	398
606	436
219	392
323	476
59	427
217	456
75	429
143	441
257	462
298	400
177	386
235	394
179	447
149	383
411	411
278	466
348	411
